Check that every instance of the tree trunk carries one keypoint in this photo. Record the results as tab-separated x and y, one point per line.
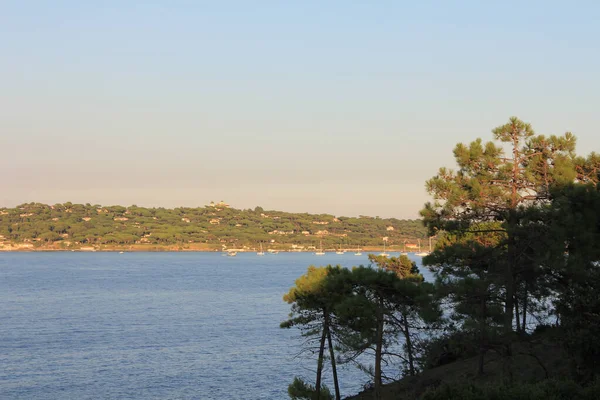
509	276
332	356
320	364
409	349
525	298
510	296
512	221
517	319
378	350
482	336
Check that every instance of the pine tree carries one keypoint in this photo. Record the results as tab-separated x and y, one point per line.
469	275
573	258
379	310
490	186
312	311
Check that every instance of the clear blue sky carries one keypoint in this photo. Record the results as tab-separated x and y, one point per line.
343	107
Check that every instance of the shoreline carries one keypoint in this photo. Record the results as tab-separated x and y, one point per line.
178	250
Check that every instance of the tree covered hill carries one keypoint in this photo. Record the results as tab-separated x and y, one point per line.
36	225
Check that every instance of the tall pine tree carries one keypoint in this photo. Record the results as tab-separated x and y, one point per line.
493	182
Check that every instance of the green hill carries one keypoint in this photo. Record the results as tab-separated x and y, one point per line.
72	226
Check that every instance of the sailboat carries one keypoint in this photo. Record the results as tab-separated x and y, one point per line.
261	252
358	253
384	253
404	252
231	253
422	253
340	250
320	252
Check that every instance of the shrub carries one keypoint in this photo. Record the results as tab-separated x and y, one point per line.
545	390
300	390
447	348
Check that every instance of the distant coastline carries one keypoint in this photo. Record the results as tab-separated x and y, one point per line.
24	248
213	228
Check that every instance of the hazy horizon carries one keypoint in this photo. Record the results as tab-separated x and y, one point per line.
335	108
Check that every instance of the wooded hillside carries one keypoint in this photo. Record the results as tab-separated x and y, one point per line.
70	225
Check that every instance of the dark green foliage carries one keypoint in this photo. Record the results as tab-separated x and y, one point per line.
449	347
368	312
300	390
468	268
382	309
575	275
490	264
545	390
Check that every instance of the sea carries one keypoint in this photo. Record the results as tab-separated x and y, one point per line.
182	325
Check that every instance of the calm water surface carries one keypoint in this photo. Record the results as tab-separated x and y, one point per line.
152	326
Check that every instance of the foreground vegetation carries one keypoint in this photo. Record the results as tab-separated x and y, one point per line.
513	312
68	226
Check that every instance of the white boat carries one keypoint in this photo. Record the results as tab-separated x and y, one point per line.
120	252
404	252
273	251
358	253
261	252
384	253
340	251
320	252
232	253
423	253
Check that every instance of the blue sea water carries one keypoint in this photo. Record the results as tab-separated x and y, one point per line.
153	326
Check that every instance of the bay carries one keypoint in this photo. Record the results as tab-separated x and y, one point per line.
153	325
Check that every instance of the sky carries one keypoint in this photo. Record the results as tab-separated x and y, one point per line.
340	107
